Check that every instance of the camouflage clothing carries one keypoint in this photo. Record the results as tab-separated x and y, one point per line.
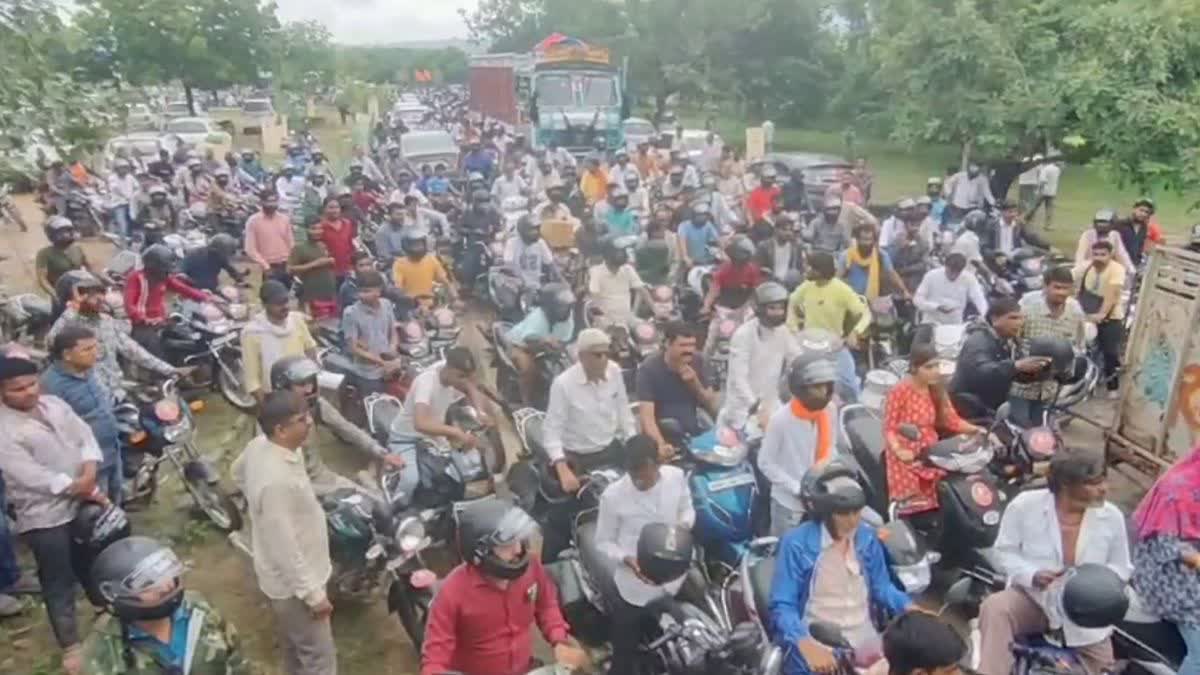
216	649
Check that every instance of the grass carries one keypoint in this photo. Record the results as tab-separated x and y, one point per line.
901	172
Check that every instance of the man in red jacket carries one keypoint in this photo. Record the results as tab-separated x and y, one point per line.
479	622
146	296
763	197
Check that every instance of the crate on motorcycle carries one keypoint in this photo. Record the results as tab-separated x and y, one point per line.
970	508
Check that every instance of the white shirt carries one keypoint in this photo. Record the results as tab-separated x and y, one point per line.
1030	177
1083	252
617	173
789	450
505	187
782	262
1029	542
122	191
968	245
1048	179
583	416
426	388
398	195
528	259
625	510
612	292
890	231
969	193
561	157
757	356
937	289
1006	234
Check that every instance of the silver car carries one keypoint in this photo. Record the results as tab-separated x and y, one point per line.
430	147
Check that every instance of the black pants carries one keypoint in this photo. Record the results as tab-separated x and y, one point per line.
556	538
624	632
150	337
279	272
1110	335
57	568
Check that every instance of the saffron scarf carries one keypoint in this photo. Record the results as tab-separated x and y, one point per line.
854	257
820	418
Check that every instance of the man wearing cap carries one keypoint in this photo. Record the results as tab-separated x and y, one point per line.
893	229
620	171
272	335
50	461
937	201
762	198
825	231
968	190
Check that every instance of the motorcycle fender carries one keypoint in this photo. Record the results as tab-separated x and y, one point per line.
398	589
198	470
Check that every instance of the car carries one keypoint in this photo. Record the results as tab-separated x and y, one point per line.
138	117
429	147
176	109
411	113
197	131
820	170
141	145
258	107
638	131
693	143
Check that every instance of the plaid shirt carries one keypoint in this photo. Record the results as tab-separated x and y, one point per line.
113	340
1068	325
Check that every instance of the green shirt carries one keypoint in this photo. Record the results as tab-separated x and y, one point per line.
58	261
319	283
830	307
216	650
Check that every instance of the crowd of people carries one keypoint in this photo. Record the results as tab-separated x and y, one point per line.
646	216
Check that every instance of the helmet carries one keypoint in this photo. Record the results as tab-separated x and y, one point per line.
59	227
195	163
769	171
293	370
632	180
246	152
770	293
122	163
481	196
224	244
356	164
905	204
832	487
1058	350
1104	216
221	171
128	568
413	236
1094	596
68	283
95	526
740	249
556	300
933	180
494	522
976	221
832	203
157	189
811	368
158	258
528	228
474	176
664	552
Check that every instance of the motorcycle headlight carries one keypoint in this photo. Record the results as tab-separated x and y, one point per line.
729	455
178	430
915	578
410	535
1032	266
239	312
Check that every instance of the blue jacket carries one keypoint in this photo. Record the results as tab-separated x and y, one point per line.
91	401
794	566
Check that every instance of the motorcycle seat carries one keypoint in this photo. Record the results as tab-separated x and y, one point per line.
761	574
534	435
337	362
598	565
864	432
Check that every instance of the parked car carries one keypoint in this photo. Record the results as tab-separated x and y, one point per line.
638	131
142	146
429	147
139	118
258	107
411	113
693	143
820	170
176	109
197	131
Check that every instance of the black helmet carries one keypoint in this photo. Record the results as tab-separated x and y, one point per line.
292	370
740	249
65	287
528	228
664	552
412	237
832	487
816	367
95	526
223	245
59	228
976	221
556	300
770	293
1058	350
158	258
128	568
495	522
1094	596
614	253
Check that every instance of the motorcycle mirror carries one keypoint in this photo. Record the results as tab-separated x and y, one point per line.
910	432
959	592
1003	412
828	635
671	429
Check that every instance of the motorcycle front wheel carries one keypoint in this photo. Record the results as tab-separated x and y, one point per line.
229	379
412	607
216	505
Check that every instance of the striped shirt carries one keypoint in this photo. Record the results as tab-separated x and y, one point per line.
1039	322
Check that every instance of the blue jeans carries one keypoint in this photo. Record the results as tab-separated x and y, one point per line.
120	221
1191	637
1025	413
9	571
109	478
848	386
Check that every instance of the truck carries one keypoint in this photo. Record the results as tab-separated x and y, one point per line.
566	92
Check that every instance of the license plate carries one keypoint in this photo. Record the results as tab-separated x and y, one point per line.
730	482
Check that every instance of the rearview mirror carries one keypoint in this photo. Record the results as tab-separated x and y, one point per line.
671	429
959	592
1003	412
828	635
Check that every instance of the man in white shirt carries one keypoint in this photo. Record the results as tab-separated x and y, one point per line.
647	494
612	284
758	352
892	230
945	291
622	169
1103	228
799	435
1047	192
509	184
967	190
1027	182
123	190
405	187
1043	534
529	254
588	416
560	157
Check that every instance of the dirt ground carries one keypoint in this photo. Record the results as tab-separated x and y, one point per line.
369	640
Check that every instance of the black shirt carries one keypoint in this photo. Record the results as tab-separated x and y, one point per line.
204	269
672	398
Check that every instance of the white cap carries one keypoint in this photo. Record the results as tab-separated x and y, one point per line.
591	338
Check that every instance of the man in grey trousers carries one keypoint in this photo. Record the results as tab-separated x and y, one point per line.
289	541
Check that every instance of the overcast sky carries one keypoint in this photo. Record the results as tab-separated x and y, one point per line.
381	21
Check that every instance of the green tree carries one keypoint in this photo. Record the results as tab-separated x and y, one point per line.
304	56
206	44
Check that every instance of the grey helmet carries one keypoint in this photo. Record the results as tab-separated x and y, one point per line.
557	301
486	524
131	566
1104	216
809	369
290	371
832	487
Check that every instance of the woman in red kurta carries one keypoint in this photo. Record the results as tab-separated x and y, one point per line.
920	400
337	233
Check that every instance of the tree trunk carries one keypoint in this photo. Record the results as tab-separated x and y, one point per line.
967	146
191	101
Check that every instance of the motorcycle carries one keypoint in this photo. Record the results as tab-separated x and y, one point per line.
507	293
25	318
204	334
159	426
884	331
727	322
662	307
549	362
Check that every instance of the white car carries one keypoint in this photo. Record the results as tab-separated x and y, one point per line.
138	118
638	131
176	109
258	107
430	147
197	131
693	143
141	145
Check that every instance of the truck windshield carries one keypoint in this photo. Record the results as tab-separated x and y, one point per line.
598	90
554	90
